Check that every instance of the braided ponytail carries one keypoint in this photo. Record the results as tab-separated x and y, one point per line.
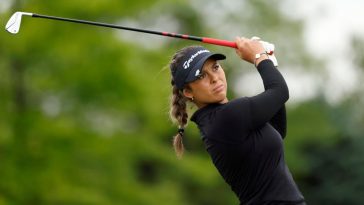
178	105
179	115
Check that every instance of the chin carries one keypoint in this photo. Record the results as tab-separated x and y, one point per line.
220	98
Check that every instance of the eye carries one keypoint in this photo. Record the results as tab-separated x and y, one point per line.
216	67
201	76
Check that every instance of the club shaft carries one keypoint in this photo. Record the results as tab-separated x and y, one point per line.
173	35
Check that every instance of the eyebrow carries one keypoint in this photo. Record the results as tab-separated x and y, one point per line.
216	63
212	66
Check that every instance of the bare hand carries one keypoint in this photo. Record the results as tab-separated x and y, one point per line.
247	49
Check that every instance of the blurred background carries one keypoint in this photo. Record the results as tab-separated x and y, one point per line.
84	110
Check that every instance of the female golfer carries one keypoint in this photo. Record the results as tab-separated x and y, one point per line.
244	136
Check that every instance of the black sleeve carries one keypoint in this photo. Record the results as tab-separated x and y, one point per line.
268	103
279	121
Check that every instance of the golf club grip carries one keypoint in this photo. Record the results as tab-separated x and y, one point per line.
219	42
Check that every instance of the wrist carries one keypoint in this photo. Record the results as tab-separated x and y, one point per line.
260	57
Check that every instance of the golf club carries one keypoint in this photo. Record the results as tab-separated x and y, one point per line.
13	26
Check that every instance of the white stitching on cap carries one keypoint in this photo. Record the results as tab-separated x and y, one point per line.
186	64
197	72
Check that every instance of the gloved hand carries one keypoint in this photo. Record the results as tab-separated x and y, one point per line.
269	48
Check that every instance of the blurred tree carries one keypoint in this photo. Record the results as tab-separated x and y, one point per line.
80	123
333	163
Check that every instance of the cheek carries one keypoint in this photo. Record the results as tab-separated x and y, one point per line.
201	85
222	75
201	90
204	89
223	78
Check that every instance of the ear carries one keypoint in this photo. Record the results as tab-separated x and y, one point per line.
187	92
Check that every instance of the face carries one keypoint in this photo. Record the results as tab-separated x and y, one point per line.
210	87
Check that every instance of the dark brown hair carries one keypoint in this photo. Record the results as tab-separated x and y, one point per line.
178	104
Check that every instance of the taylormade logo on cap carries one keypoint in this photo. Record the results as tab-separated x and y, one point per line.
186	64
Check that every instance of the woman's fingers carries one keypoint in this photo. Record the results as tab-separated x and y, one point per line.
240	48
247	48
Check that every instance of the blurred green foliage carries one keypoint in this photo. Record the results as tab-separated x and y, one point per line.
84	112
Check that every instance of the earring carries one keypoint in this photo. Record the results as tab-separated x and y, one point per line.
192	99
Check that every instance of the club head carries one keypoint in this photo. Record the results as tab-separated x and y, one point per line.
13	24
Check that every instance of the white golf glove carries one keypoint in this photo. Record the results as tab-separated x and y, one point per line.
269	48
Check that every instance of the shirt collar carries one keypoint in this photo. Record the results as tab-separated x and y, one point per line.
200	113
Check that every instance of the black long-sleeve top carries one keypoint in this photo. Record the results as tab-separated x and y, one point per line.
244	138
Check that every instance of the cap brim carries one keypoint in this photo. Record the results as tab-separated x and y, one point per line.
199	65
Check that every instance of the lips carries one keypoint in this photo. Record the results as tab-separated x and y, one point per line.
218	88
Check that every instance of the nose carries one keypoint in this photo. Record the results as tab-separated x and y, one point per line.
213	77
